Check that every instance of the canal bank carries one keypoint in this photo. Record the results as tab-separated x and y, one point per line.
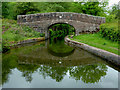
111	57
13	44
30	41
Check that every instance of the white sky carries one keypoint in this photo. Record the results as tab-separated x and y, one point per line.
112	2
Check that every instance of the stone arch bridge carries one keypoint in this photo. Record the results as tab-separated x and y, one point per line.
81	22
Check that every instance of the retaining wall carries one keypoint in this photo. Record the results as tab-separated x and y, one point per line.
113	58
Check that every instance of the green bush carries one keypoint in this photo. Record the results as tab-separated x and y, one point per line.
4	46
27	29
42	34
110	31
61	30
17	37
110	18
14	33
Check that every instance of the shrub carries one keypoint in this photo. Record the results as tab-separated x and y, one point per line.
5	48
42	34
110	31
27	29
12	33
17	38
110	18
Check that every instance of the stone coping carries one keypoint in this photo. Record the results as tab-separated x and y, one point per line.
111	57
61	13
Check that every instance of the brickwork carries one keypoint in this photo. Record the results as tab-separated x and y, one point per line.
81	22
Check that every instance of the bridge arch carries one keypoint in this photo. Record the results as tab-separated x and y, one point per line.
52	24
81	22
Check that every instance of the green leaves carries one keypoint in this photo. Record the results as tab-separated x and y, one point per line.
25	7
5	9
13	32
60	30
92	8
22	8
110	31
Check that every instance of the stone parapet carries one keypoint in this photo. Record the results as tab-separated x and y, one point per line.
60	15
41	22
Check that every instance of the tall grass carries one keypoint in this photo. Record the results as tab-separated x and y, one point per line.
12	32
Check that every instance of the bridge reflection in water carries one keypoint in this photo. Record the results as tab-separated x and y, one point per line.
53	61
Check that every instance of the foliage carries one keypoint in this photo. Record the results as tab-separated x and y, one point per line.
53	6
20	8
58	48
96	40
93	8
9	62
115	11
110	31
27	71
13	33
61	30
113	14
110	18
5	48
23	8
92	73
5	10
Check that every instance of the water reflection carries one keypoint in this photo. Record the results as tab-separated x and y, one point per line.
29	59
88	73
58	48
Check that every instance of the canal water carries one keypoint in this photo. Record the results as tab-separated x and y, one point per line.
53	64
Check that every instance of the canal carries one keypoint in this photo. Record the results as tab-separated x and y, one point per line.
53	64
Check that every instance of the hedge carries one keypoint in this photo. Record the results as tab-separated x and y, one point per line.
110	31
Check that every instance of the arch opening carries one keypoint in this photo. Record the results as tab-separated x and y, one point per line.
60	30
57	32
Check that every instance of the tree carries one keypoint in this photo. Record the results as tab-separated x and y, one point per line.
92	8
5	9
23	8
53	6
115	11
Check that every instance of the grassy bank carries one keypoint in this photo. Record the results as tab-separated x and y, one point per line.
13	33
107	38
96	40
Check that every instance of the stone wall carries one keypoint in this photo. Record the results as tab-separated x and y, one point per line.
111	57
81	22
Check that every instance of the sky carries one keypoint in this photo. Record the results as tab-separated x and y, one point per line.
112	2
